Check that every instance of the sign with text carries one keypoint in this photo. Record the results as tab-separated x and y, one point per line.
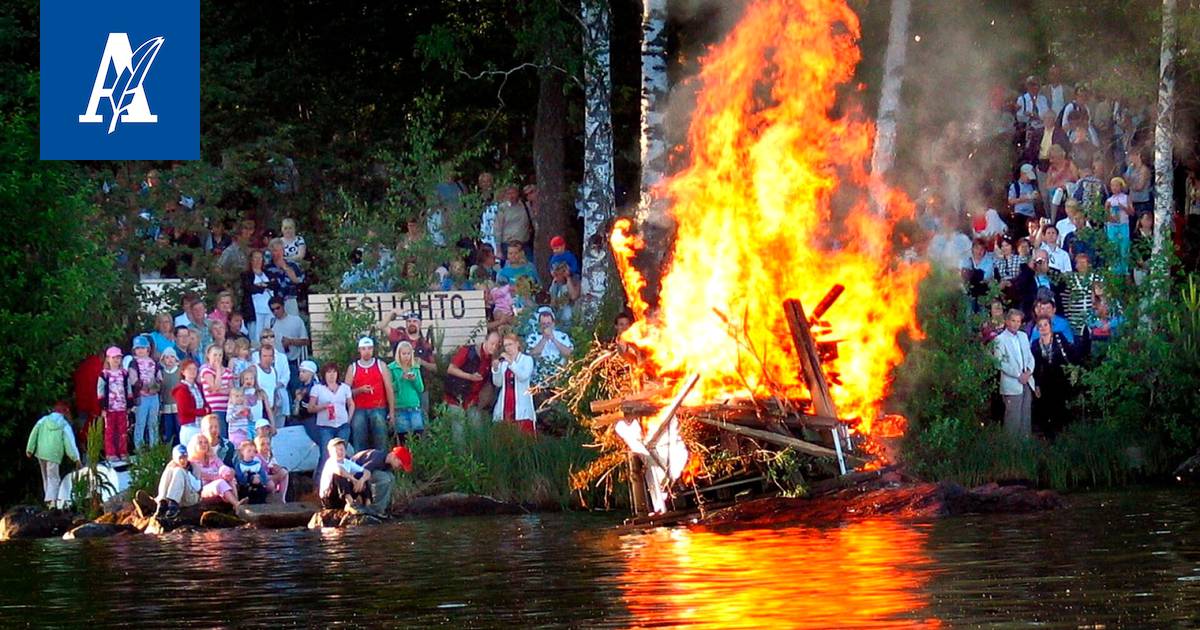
458	317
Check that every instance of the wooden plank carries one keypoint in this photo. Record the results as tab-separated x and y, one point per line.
456	317
810	360
780	440
607	419
666	419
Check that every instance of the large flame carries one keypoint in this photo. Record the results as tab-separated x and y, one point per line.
773	204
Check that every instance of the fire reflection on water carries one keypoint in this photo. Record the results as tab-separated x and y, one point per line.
863	574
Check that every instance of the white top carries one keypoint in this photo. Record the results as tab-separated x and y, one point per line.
522	372
1015	356
338	399
1065	226
331	470
283	376
487	226
262	300
182	320
1030	110
1059	258
269	383
550	351
292	327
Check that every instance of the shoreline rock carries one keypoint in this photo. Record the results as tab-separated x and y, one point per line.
31	521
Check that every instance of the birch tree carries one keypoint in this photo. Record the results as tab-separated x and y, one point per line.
1164	131
883	156
651	214
596	194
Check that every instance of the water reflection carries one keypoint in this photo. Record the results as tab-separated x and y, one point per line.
859	575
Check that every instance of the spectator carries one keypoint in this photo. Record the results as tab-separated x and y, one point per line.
1089	190
405	374
223	309
245	407
278	477
223	449
1060	175
333	403
301	414
564	292
1044	308
517	266
282	403
205	464
286	275
1058	94
257	289
216	333
513	222
197	322
236	328
272	383
291	335
560	254
995	322
503	299
177	487
487	219
1077	297
1058	258
466	373
1142	247
486	264
294	247
1034	278
215	382
422	346
218	239
114	390
251	474
1117	212
374	400
1023	194
163	335
1008	267
168	409
343	482
51	439
1066	225
550	348
1139	179
1104	325
1050	355
383	465
149	382
1030	107
978	271
511	374
189	401
184	317
1017	384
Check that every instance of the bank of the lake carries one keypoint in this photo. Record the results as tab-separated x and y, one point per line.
1121	559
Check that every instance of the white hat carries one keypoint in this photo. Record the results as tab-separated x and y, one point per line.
260	423
366	342
1027	170
308	365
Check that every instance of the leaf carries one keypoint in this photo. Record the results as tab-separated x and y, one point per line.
129	83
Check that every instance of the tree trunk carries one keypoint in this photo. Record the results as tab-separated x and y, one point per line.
652	219
596	194
1164	132
548	160
884	154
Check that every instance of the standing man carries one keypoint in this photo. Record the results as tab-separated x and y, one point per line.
422	347
468	370
185	343
1012	350
374	400
549	347
197	322
1022	195
291	338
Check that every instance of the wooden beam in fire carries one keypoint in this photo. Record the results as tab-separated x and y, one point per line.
810	359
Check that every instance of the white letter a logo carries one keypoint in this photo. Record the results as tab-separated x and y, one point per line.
125	96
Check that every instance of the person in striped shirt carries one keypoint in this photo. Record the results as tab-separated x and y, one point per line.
1077	296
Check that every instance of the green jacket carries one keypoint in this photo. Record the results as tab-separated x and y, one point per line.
51	438
408	392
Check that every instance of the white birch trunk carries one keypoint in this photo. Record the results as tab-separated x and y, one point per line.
883	156
1164	131
652	220
596	194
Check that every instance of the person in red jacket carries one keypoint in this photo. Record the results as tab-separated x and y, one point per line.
87	406
189	402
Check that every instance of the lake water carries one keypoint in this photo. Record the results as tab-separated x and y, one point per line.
1129	559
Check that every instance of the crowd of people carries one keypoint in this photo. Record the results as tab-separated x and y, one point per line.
1077	214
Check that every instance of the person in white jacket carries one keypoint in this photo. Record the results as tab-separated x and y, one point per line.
1012	350
511	374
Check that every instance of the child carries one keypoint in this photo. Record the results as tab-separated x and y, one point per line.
239	415
166	402
263	428
251	474
256	398
502	301
51	438
558	245
241	360
149	379
407	384
222	489
114	390
276	474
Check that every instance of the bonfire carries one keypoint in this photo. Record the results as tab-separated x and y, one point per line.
775	210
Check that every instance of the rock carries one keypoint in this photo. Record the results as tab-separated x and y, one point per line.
457	504
98	530
219	520
277	515
343	518
144	505
326	518
28	521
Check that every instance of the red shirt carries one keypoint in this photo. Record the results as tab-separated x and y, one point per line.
85	378
485	370
185	403
372	376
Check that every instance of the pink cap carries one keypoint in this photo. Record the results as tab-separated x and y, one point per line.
112	351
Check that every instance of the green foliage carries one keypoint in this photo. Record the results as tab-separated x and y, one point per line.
1089	454
146	467
970	453
785	471
87	493
339	342
494	459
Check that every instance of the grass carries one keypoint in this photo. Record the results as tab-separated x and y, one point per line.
146	467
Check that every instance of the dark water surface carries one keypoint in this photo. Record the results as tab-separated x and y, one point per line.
1129	559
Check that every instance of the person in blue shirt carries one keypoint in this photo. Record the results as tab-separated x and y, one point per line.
558	245
1044	307
518	266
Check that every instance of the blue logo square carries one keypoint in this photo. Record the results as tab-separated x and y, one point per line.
137	59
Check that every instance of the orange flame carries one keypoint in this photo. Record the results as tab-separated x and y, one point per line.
772	204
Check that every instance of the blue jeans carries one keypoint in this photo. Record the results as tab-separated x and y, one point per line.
145	421
324	435
369	429
170	428
410	420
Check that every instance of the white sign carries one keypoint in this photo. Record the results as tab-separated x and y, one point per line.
459	317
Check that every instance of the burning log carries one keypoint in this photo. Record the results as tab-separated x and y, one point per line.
834	293
810	359
781	440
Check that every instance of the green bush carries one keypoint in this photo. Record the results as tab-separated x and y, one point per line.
970	453
146	467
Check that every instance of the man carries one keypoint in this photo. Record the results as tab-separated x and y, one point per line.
291	335
1059	94
286	274
271	382
1012	350
468	370
549	347
1058	258
1066	225
513	223
1044	308
1033	278
518	266
234	259
422	347
343	482
1032	104
184	316
1089	190
374	400
382	465
1022	194
283	370
197	322
186	345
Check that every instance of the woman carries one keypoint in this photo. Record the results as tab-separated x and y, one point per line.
1137	174
1118	209
407	384
994	324
511	374
294	248
215	382
217	331
189	401
223	308
163	336
564	292
334	405
1049	361
215	485
257	290
1059	175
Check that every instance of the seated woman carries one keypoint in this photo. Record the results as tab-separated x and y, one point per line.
216	479
343	482
223	490
177	487
277	475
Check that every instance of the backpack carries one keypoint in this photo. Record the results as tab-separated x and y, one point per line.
459	388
